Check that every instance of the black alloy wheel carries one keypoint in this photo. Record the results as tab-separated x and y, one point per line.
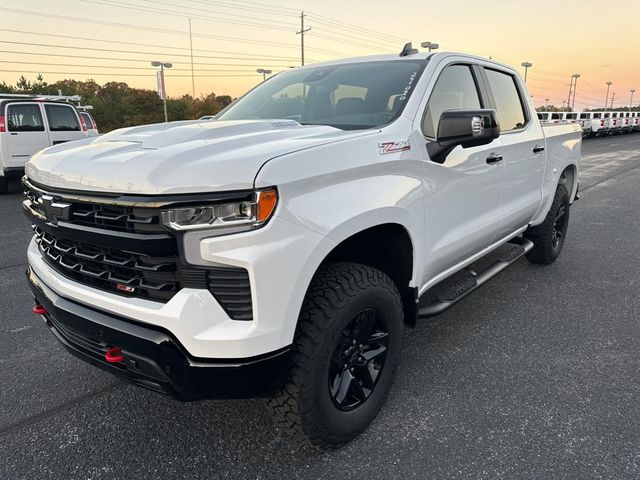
358	360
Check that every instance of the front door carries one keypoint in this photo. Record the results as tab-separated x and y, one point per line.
25	134
463	198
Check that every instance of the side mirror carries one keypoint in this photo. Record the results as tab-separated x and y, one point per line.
467	128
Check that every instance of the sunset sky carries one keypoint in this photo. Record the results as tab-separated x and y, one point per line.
231	38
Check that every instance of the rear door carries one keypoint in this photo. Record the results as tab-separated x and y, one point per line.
523	147
25	133
64	123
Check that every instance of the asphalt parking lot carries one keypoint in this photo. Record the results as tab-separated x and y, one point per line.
534	376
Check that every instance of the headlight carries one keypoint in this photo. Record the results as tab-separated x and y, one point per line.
227	218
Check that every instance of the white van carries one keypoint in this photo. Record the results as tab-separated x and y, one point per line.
29	124
92	128
615	122
569	117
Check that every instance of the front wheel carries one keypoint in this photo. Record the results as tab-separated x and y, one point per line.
344	357
549	237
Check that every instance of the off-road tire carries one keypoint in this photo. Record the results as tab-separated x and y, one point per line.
544	251
304	406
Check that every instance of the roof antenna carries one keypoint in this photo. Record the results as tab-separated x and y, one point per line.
408	50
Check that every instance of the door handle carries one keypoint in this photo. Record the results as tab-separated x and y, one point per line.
538	149
494	158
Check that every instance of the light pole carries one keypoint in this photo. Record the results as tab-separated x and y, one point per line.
631	101
527	66
264	72
430	46
161	90
575	86
546	104
606	100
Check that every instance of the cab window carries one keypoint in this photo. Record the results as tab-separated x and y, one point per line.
24	118
509	105
62	118
455	89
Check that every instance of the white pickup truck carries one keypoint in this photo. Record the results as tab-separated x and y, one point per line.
279	249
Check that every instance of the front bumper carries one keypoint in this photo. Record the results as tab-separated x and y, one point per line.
153	358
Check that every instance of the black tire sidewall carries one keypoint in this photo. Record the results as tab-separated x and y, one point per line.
336	421
561	199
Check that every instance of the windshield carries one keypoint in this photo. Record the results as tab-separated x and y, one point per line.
348	96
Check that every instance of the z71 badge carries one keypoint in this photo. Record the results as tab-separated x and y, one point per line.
393	147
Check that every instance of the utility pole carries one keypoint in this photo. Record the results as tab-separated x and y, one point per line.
631	101
193	77
546	104
613	95
606	100
301	33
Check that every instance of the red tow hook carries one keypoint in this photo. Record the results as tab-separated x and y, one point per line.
114	355
39	309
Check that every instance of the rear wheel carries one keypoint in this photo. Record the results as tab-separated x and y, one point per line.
345	355
548	237
4	185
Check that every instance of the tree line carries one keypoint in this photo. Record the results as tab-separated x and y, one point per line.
117	105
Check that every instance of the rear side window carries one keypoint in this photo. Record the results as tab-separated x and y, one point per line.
87	120
24	118
508	101
584	116
597	115
62	118
455	89
555	116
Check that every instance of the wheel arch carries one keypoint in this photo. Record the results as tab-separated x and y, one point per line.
388	247
569	178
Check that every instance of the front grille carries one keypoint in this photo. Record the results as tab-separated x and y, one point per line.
154	278
119	218
127	252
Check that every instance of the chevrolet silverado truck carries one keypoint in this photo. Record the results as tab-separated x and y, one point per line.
279	249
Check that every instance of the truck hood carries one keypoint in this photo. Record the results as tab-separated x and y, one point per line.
177	157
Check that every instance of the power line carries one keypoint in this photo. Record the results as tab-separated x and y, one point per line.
146	29
342	41
95	74
120	42
146	60
369	43
114	3
360	37
163	11
274	7
120	67
111	50
267	9
233	15
364	31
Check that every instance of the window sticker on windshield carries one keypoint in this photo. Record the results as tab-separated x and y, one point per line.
393	147
405	92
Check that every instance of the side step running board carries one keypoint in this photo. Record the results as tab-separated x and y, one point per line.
453	289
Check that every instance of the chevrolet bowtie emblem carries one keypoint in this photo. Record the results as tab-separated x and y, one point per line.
54	210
